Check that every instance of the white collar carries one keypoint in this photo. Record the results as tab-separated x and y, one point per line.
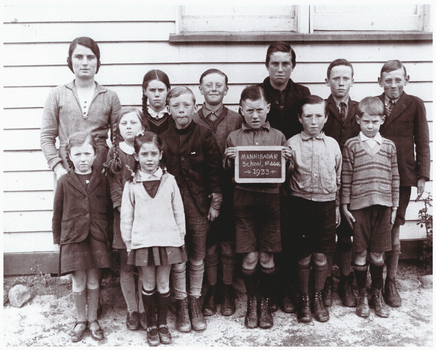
156	115
126	148
150	177
376	138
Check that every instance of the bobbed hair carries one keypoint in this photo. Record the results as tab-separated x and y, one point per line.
87	42
371	105
280	46
146	137
78	139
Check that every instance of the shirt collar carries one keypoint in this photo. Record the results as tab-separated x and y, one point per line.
265	126
156	115
126	148
207	111
155	176
346	101
306	136
376	138
387	99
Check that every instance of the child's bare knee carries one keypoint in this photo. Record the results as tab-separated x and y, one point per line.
376	257
266	259
250	260
305	261
320	259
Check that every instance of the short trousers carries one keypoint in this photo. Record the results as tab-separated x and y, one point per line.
197	227
372	229
405	192
314	226
257	221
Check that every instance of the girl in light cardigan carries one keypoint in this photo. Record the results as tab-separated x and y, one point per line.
153	229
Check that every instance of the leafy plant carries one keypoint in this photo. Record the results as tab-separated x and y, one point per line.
426	221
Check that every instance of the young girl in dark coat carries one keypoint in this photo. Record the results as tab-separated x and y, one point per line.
80	227
120	165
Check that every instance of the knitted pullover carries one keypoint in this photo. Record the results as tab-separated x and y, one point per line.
152	222
369	179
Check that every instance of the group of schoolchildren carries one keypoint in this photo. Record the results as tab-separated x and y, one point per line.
178	214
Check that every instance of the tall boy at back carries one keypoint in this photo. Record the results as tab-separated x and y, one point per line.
191	154
406	125
221	121
257	208
314	183
370	196
341	125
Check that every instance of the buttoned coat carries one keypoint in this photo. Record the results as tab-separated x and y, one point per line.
335	127
407	126
78	212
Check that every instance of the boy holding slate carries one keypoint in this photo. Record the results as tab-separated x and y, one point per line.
315	182
257	208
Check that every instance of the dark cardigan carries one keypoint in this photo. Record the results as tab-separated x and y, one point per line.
195	162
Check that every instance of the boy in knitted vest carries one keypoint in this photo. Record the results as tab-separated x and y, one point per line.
370	198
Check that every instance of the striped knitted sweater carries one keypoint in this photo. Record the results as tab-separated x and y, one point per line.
369	179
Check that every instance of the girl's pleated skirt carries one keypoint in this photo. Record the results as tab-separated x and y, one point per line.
157	256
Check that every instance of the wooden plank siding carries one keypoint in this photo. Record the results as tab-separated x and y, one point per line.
133	40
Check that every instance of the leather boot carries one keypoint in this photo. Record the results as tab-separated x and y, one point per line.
209	304
392	297
183	322
345	290
197	319
328	291
378	304
265	317
251	318
303	309
228	306
321	312
362	308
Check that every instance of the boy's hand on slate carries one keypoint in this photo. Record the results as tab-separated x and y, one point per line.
288	153
350	218
230	152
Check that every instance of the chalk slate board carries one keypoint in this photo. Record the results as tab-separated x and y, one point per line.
259	164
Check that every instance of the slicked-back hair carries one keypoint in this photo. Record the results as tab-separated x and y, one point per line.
280	46
339	62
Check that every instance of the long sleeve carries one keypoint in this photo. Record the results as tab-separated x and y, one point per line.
213	163
395	179
127	216
347	174
338	168
115	182
50	129
57	212
178	210
421	139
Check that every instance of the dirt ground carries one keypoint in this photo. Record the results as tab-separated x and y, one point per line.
47	318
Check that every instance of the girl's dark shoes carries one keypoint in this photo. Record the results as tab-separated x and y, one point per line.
78	331
96	332
164	334
153	336
132	321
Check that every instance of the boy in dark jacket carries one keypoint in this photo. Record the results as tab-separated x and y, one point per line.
406	124
191	154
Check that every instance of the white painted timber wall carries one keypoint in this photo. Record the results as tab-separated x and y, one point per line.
133	40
